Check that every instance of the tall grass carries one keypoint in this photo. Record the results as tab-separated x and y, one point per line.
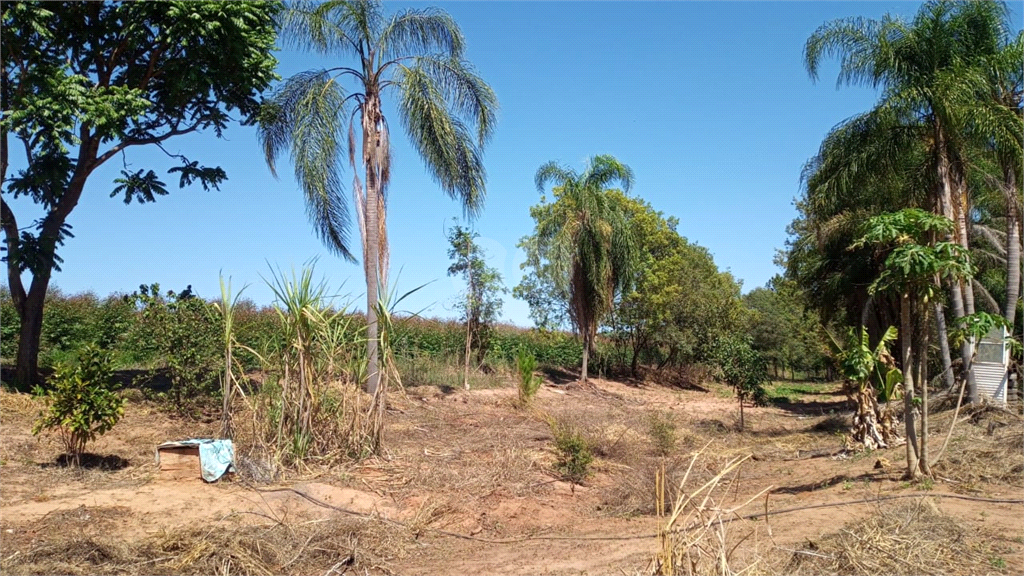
311	406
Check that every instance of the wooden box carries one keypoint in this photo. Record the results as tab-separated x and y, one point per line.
178	461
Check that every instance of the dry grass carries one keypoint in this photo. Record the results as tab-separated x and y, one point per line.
329	546
987	445
904	538
695	536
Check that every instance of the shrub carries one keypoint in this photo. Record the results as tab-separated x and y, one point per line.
529	382
574	453
181	332
662	431
81	404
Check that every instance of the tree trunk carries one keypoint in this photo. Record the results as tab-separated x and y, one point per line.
469	340
586	355
947	363
742	423
906	340
1013	247
371	157
922	378
948	208
26	374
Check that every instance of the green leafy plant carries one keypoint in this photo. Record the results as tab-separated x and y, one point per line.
574	451
183	334
81	404
744	369
662	431
529	382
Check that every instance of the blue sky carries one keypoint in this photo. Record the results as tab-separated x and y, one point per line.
708	102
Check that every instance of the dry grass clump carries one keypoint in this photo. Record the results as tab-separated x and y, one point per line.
333	546
695	537
16	404
904	538
987	445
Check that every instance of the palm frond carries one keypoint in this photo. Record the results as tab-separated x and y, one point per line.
418	32
442	139
464	92
328	28
304	116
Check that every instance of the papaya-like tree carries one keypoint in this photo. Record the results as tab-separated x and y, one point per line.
322	118
915	267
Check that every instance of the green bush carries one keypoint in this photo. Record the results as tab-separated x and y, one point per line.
81	404
662	431
10	325
574	452
181	333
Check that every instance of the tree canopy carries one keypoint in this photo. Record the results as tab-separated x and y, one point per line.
85	82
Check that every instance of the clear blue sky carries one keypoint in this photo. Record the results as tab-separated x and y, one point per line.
708	102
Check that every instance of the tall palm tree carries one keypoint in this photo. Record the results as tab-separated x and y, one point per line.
586	238
320	116
919	66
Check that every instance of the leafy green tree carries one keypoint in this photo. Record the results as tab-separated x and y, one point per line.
482	304
84	82
915	266
182	333
585	240
782	329
447	110
677	299
743	368
931	71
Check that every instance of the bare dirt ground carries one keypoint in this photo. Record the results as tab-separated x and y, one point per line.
467	486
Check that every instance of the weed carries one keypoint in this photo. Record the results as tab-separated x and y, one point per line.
997	562
574	452
927	483
662	431
847	485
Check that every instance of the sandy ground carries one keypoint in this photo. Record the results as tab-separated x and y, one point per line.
470	479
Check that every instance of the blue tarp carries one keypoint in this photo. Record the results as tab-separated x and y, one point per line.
216	457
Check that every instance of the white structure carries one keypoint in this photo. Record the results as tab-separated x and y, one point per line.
991	365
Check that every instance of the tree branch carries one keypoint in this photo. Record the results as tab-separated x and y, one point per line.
142	141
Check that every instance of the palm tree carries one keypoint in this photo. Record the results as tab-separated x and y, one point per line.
319	116
920	67
586	238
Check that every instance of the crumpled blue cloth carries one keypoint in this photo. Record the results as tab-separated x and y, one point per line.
216	457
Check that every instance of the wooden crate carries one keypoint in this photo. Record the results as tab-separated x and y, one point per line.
179	462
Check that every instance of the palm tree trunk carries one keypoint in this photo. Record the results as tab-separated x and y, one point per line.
956	294
371	110
947	362
906	340
586	355
1013	246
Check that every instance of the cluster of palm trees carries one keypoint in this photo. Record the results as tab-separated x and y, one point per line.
945	137
448	112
